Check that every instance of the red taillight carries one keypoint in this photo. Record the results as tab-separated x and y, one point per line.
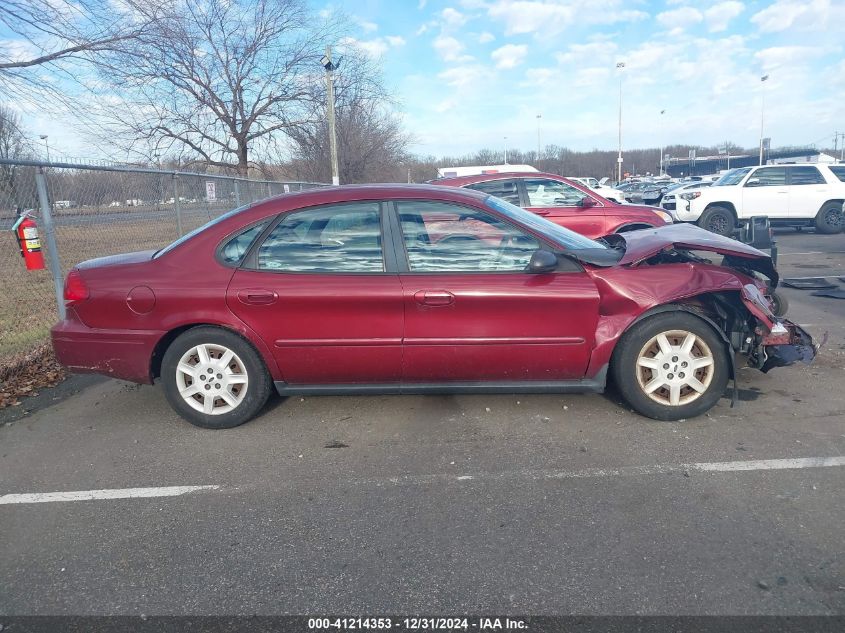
75	287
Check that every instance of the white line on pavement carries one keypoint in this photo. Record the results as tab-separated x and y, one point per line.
624	471
781	254
89	495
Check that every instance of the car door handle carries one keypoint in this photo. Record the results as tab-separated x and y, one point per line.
542	211
434	298
257	297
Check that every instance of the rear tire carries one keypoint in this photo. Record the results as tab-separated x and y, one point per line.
829	218
214	378
718	220
671	366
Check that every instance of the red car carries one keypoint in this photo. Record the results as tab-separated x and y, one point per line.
422	289
564	202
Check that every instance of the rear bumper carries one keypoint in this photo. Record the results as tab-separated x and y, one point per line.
125	354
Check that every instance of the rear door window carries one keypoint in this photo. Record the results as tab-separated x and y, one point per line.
504	189
805	175
543	192
342	238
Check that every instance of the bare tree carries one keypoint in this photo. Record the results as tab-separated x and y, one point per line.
60	34
13	145
372	146
215	82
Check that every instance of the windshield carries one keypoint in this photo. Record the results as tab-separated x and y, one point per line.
564	237
732	177
199	230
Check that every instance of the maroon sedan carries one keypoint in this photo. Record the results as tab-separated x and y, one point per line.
422	289
564	202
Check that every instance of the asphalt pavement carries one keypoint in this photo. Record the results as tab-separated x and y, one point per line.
523	504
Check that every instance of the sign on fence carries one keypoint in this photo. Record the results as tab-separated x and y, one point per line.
210	191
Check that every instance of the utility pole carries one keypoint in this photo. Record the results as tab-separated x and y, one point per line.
539	116
506	150
660	171
762	112
330	67
728	152
619	67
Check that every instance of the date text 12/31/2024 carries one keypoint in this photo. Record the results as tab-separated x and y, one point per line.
418	623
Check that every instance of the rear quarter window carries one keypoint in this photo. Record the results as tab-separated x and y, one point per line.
839	172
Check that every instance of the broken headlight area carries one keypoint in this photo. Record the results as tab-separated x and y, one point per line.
786	344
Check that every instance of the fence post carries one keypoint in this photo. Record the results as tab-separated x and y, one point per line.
269	190
177	204
50	238
237	193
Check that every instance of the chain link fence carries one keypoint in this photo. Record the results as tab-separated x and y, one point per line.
87	211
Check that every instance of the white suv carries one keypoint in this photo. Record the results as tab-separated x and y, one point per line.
790	195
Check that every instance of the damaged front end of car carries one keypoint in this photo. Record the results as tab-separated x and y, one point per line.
776	342
734	295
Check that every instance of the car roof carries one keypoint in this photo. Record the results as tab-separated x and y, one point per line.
352	193
460	181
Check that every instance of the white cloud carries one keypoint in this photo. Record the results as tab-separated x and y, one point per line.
680	18
368	27
551	17
803	14
466	77
445	106
17	50
486	37
593	52
449	49
719	15
509	55
375	47
776	57
452	18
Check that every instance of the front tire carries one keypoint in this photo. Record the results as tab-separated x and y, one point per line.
829	219
671	366
214	378
718	220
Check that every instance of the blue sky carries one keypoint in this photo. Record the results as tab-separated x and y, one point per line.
472	72
469	73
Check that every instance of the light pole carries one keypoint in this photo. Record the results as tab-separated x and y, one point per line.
506	150
661	145
539	116
43	137
619	67
326	61
762	112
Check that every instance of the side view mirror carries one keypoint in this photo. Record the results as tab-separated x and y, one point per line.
752	182
586	202
542	262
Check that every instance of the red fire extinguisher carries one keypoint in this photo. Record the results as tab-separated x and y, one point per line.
27	233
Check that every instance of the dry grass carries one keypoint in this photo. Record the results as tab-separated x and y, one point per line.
27	298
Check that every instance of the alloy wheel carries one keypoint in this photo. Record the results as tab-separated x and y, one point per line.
212	379
675	368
